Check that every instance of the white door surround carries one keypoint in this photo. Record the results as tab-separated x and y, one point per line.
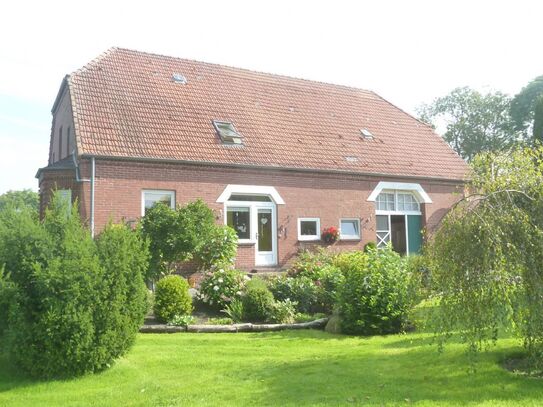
262	218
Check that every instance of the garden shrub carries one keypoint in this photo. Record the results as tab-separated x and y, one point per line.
312	282
300	289
220	287
67	316
374	296
258	301
310	263
172	298
187	233
330	281
283	312
218	248
234	310
370	246
8	291
124	257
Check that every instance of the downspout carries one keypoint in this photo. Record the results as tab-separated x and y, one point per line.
93	173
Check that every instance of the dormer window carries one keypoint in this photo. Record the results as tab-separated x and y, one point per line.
227	132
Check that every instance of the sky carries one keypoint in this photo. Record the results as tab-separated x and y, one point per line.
409	52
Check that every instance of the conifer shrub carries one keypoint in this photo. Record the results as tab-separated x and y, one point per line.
75	303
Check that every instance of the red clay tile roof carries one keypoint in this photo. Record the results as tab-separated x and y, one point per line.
126	104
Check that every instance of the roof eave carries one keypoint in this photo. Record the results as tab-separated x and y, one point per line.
270	167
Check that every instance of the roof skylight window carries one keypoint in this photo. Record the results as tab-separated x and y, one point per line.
227	132
178	78
366	134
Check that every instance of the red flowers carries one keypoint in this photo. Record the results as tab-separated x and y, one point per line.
330	235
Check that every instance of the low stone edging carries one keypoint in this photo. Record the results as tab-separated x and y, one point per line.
248	327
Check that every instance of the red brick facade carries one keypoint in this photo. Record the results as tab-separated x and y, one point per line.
328	196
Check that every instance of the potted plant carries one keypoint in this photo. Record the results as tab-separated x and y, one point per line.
330	235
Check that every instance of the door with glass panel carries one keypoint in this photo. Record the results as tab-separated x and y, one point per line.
265	238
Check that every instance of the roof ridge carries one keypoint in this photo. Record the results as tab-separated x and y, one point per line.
230	67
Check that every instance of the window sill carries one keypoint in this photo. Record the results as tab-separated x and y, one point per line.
246	242
351	238
312	239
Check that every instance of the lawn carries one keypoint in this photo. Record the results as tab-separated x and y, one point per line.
285	368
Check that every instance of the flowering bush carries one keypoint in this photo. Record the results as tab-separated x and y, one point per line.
330	235
220	287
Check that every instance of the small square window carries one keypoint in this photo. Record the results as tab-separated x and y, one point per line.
152	197
227	132
309	228
239	219
350	229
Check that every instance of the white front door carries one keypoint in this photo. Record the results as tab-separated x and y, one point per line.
266	239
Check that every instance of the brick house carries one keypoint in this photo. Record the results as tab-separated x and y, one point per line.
276	158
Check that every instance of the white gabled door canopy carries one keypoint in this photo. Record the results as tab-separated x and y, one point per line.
251	190
416	189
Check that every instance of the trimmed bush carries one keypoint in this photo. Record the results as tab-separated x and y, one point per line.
258	301
172	298
374	298
76	304
220	287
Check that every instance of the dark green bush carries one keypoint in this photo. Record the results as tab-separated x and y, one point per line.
257	301
64	316
8	291
374	298
124	256
172	298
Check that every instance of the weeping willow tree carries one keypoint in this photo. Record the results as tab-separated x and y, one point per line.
488	255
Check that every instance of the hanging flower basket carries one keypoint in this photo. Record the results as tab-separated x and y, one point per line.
330	235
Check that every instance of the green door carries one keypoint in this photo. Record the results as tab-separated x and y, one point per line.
414	233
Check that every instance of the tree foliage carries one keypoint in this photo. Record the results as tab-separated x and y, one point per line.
487	254
187	233
523	104
75	304
538	121
475	122
18	199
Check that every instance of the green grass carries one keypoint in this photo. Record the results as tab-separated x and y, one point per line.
285	368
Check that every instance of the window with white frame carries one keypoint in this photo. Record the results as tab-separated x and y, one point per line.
309	228
152	197
397	201
349	228
239	219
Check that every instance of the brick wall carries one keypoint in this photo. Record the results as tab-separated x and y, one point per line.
119	185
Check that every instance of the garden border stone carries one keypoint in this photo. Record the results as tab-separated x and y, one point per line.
247	327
